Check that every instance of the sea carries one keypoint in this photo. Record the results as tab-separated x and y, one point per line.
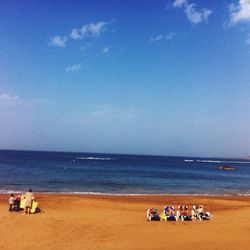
117	174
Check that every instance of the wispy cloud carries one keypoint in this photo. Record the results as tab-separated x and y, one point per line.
168	36
109	111
88	30
156	38
239	12
248	39
8	99
73	68
105	50
58	41
86	46
193	15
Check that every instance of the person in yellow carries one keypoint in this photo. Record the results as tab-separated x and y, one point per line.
29	197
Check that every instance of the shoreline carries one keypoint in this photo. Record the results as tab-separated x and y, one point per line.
7	192
96	222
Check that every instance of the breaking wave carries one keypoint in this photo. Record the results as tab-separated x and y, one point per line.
217	161
94	158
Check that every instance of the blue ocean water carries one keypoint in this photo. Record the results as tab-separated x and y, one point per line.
58	172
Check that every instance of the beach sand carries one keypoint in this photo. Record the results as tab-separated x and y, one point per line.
119	222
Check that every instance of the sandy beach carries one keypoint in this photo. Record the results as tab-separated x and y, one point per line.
119	222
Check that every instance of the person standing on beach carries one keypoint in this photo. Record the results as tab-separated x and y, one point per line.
29	197
11	202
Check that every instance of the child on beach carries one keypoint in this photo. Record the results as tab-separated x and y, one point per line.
11	202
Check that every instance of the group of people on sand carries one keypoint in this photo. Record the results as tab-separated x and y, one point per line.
15	202
182	213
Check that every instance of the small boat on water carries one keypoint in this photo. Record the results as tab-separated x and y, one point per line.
226	168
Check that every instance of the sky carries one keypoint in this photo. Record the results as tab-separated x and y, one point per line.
122	76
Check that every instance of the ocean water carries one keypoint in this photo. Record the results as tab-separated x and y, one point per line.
56	172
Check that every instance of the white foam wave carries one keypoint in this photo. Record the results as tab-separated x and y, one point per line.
218	161
94	158
4	191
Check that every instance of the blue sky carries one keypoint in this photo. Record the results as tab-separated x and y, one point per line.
140	77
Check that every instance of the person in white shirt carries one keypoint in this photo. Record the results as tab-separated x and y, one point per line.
11	202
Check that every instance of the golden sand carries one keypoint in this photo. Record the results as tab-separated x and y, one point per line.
119	222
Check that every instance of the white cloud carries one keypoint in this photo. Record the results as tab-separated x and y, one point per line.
88	30
58	41
193	15
75	34
168	36
105	50
179	3
73	68
239	12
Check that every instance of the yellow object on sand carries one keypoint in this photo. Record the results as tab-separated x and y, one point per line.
34	206
23	204
163	216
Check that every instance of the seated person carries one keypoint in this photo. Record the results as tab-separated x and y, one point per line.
170	213
184	213
17	203
200	213
152	214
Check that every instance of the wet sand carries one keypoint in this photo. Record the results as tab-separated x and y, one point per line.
119	222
